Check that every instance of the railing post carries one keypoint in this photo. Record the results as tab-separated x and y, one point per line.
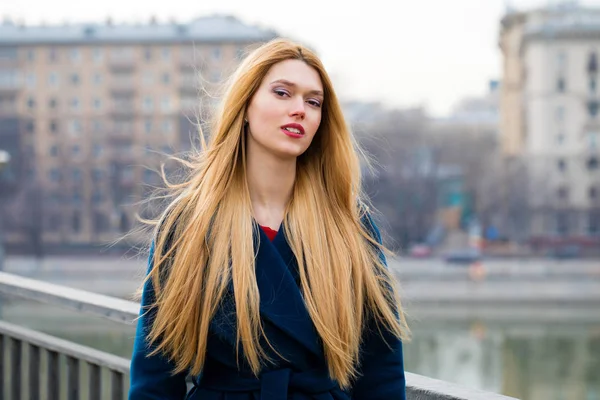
72	378
116	379
2	365
34	372
53	375
15	369
95	378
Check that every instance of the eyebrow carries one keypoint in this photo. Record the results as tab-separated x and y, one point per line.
292	84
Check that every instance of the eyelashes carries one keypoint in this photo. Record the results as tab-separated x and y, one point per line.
283	93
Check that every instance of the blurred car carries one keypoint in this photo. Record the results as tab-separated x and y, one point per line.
420	251
565	252
463	256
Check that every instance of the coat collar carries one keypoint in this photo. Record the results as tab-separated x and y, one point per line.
281	300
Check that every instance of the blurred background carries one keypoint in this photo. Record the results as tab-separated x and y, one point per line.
481	118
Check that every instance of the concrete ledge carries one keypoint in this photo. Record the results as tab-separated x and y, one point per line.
419	387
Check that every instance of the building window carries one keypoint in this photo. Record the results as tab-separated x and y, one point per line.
52	103
76	151
594	223
593	108
148	104
76	219
97	175
75	55
97	197
166	54
53	126
52	54
75	126
30	80
561	61
167	126
165	104
54	151
76	173
148	54
240	53
562	223
30	55
75	104
97	104
31	103
97	126
148	78
98	55
74	79
53	79
216	53
562	193
559	114
560	85
592	163
97	79
592	85
562	165
148	126
593	140
592	66
593	193
30	127
54	175
166	78
97	150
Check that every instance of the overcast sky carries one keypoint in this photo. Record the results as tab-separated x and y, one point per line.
402	53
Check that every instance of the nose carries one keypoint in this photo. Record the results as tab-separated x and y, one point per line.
298	108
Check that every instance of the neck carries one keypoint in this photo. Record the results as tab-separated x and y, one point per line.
270	182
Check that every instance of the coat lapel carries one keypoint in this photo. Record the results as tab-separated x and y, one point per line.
281	301
280	298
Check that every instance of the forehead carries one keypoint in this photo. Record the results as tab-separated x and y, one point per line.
297	72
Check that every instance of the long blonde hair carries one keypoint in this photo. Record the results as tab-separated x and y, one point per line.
205	237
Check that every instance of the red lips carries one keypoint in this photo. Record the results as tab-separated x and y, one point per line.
295	126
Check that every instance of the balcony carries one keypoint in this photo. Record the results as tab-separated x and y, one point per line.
123	87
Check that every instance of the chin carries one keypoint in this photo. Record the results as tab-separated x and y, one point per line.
289	152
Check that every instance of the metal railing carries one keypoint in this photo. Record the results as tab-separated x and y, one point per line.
17	341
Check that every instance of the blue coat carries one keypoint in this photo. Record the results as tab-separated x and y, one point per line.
289	328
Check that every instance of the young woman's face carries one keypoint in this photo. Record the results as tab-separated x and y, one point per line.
285	112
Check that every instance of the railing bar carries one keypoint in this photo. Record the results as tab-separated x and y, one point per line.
15	369
53	375
116	380
66	347
115	309
95	380
2	380
34	372
72	378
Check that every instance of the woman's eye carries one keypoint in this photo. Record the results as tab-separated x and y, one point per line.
280	93
314	103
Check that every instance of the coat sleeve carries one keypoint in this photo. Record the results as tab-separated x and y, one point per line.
382	363
150	376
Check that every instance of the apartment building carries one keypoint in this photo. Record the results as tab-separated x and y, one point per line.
91	106
549	114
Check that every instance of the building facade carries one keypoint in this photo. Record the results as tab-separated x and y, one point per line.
95	106
549	115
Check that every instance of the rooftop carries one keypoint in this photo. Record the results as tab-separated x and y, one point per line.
215	28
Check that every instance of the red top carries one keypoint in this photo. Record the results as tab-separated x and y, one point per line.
270	232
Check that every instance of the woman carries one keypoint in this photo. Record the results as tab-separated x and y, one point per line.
267	278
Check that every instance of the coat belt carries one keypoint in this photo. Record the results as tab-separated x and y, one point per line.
273	384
